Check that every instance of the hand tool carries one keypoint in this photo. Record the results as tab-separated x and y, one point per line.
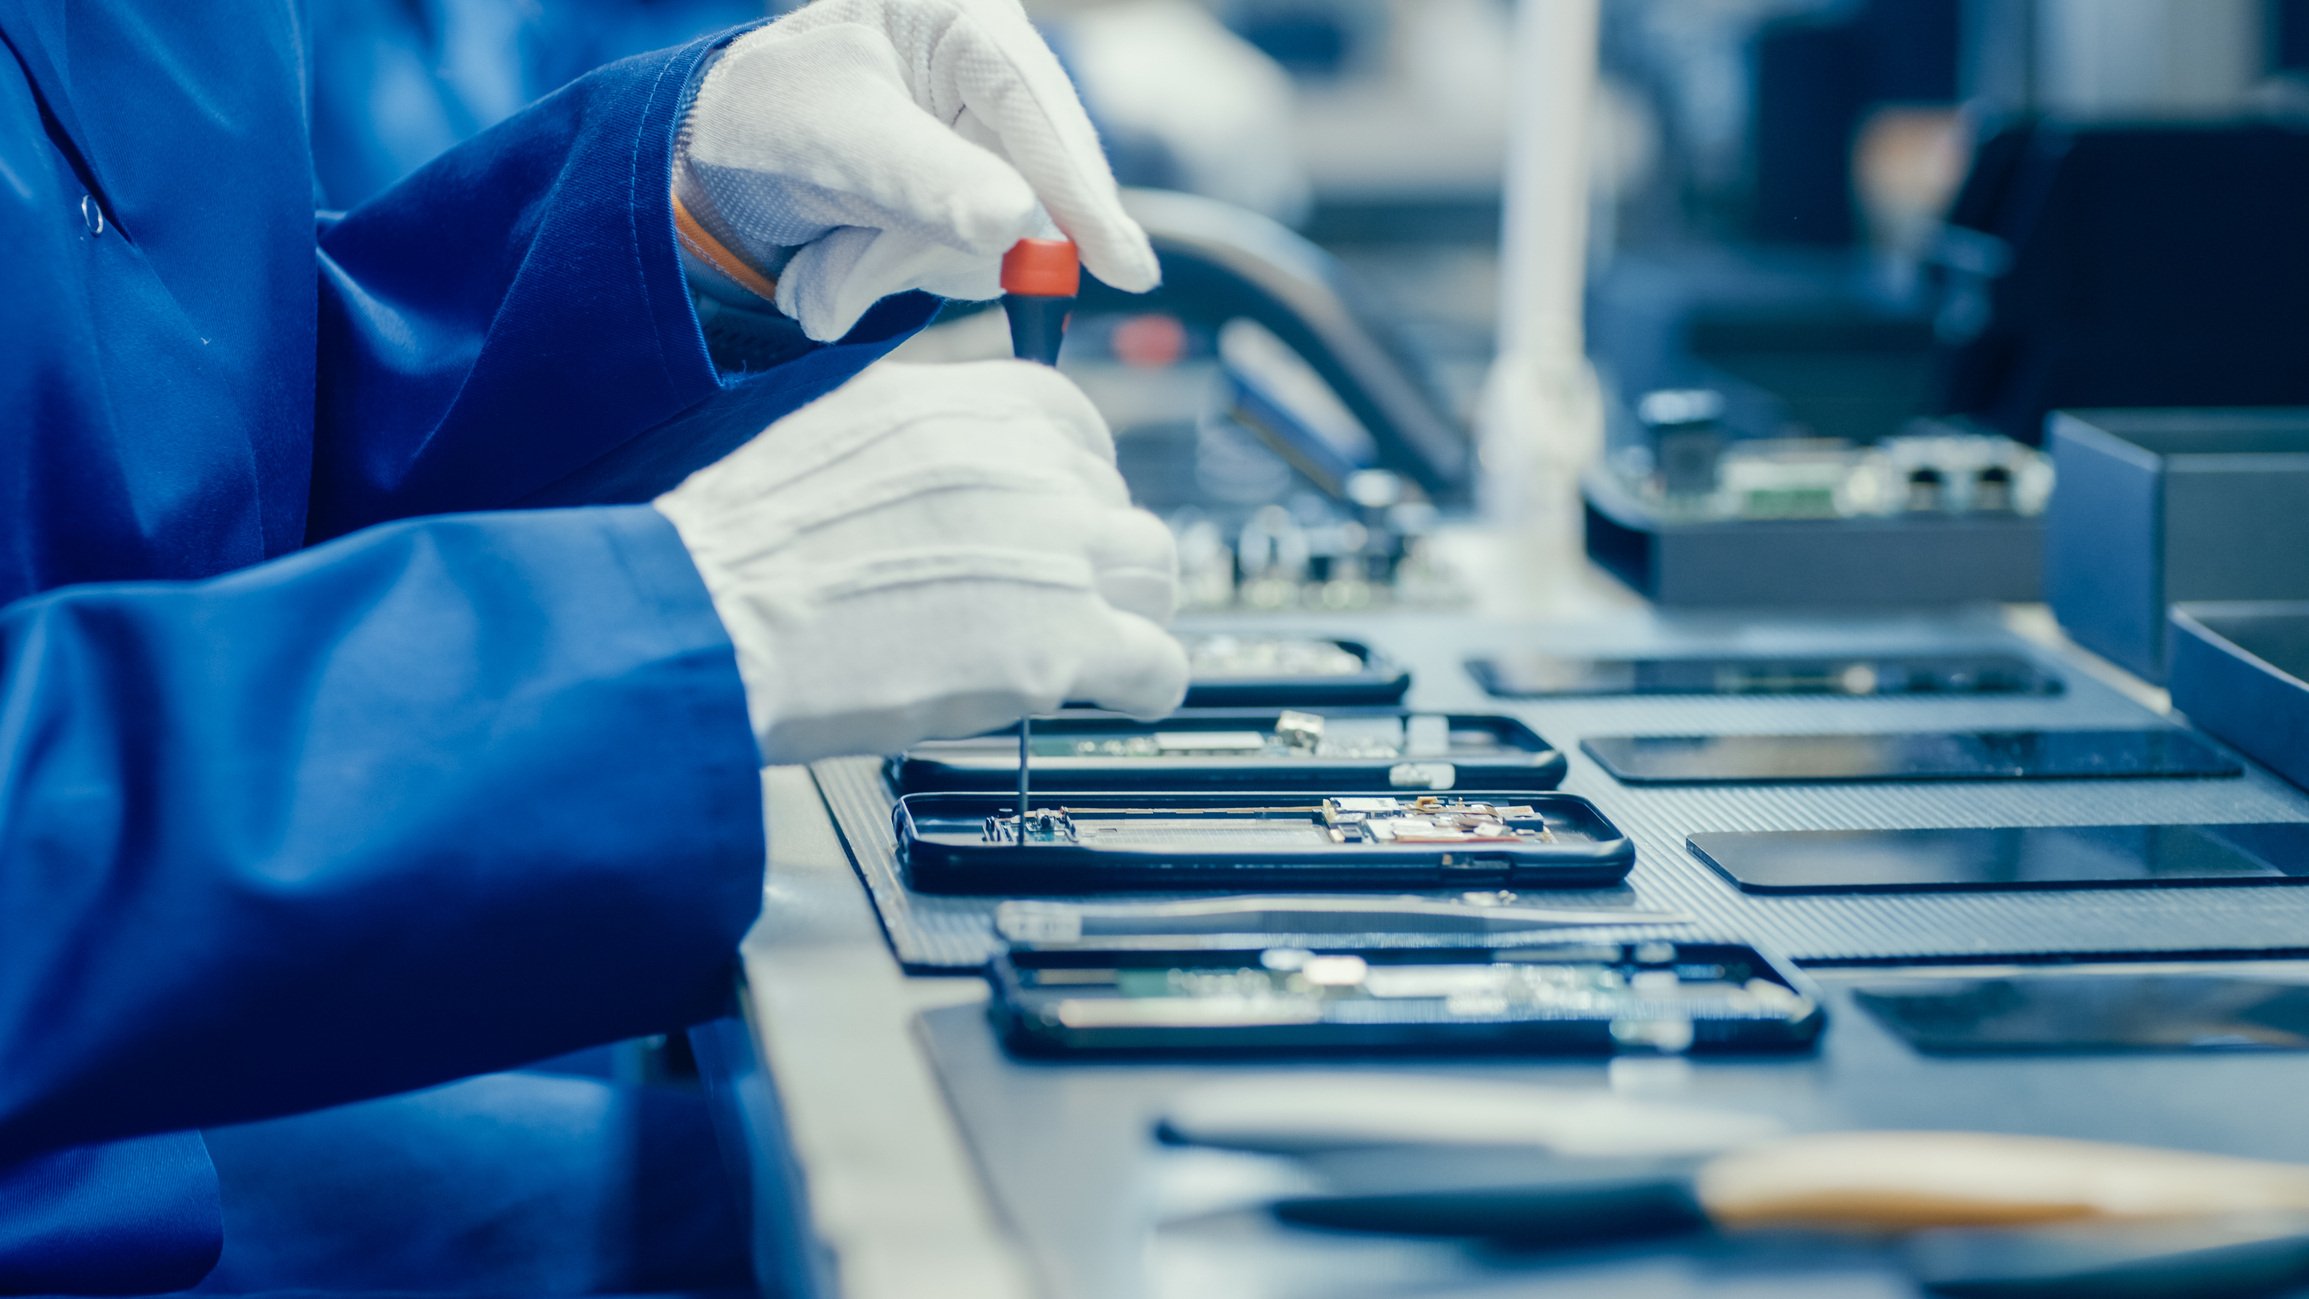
1864	1181
1411	917
1040	278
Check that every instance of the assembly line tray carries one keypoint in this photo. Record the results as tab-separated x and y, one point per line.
944	932
2241	672
932	933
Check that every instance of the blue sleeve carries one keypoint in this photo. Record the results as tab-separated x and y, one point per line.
127	1217
511	326
446	796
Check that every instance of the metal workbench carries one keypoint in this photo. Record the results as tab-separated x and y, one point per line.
893	1150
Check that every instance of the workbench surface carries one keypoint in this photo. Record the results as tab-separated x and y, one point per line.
894	1150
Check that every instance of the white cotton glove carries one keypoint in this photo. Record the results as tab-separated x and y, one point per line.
859	148
932	551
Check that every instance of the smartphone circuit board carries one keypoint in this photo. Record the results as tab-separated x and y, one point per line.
1424	820
1648	996
1089	843
1288	749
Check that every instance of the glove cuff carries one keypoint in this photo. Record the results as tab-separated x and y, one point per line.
715	269
702	253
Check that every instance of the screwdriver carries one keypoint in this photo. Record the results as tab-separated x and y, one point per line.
1822	1181
1040	278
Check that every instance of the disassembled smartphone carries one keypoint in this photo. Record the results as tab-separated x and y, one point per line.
1245	749
1544	676
1574	998
1237	671
1095	843
1233	921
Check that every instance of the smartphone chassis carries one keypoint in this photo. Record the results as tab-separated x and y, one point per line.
1333	752
1277	841
1650	997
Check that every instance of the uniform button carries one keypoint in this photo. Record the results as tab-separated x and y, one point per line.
91	214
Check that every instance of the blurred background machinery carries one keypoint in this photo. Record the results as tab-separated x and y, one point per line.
1789	284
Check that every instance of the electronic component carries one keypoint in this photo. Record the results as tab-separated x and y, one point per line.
1295	734
1654	996
1285	749
1089	843
1931	470
1236	921
1359	538
1423	820
1316	554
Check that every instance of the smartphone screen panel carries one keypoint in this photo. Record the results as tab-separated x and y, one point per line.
2028	857
1540	676
1902	756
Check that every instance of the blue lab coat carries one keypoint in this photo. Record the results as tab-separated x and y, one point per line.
284	823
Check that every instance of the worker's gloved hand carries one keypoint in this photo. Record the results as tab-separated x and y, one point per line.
859	148
932	551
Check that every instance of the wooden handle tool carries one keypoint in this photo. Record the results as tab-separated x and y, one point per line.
1848	1181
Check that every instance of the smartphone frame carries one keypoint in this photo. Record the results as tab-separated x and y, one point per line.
985	763
1027	1017
937	855
1382	683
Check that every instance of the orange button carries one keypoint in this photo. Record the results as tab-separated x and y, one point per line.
1042	268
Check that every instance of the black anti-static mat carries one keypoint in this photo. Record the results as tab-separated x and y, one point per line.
938	932
928	931
945	933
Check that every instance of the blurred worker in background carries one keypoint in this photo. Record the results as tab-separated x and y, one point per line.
305	799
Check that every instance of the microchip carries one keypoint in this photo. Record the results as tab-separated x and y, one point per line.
1300	730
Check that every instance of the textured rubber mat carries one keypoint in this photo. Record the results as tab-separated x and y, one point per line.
943	933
